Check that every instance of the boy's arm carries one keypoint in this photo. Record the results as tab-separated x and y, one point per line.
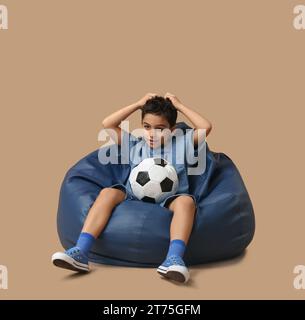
198	121
114	120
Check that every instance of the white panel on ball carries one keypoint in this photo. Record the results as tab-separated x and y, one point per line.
157	173
152	189
137	189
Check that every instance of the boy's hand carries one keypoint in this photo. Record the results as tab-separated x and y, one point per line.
143	100
175	101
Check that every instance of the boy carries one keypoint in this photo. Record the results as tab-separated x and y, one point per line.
158	113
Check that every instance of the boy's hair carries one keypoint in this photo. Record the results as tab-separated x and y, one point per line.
161	106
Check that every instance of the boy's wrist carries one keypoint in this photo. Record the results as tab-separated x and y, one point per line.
137	105
179	106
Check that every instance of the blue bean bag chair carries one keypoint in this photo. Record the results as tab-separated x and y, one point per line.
137	233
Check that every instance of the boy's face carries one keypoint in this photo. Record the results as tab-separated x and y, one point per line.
153	126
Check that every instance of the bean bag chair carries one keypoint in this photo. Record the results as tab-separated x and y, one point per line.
137	233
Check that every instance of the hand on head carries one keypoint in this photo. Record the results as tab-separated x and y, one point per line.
175	101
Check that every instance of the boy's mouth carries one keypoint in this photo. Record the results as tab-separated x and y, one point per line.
152	142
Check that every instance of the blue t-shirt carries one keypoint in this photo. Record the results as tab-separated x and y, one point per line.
178	151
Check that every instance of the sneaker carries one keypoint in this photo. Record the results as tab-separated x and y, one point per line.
72	259
174	268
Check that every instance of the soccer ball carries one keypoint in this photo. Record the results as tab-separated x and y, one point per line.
153	179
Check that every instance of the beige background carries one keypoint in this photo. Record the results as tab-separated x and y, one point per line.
65	65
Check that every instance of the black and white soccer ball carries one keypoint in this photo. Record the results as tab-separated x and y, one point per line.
153	179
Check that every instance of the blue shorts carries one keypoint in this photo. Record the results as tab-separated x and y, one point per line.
165	203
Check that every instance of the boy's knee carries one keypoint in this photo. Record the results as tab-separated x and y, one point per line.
112	192
185	201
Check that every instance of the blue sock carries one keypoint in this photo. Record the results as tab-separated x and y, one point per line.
85	242
176	247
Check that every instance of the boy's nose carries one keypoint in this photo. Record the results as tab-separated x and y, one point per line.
151	134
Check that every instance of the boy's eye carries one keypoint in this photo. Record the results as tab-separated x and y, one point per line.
146	127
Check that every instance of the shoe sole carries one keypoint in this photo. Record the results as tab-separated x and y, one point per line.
64	261
176	273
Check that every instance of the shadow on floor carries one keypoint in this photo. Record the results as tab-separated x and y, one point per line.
194	270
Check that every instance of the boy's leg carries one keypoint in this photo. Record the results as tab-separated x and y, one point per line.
76	258
101	210
184	210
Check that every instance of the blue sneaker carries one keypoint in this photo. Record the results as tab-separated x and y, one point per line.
174	268
72	259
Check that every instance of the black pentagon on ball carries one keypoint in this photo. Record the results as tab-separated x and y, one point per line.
160	162
166	185
148	199
142	177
